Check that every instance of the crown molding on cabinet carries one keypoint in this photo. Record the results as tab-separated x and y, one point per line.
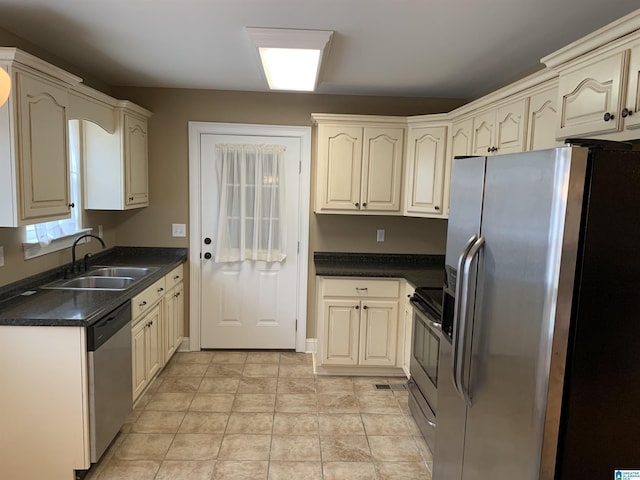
36	65
609	33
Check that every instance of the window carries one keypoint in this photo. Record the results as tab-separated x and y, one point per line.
48	237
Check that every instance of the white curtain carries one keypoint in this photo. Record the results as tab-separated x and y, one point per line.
251	223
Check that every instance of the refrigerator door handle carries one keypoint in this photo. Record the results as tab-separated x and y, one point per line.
456	312
460	350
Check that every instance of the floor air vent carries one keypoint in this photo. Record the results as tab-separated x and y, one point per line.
396	386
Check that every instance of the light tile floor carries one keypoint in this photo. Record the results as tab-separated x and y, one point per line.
265	416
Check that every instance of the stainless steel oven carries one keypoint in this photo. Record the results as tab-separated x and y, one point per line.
424	368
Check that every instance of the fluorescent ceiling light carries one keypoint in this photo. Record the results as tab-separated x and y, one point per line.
291	58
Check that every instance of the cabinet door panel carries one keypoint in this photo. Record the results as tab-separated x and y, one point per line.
341	330
43	148
461	145
136	161
633	96
425	170
587	93
139	353
339	167
542	120
154	344
379	335
510	127
382	168
483	127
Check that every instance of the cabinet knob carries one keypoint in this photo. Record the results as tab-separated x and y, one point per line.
176	277
488	149
207	241
177	294
364	307
608	116
626	113
131	199
72	205
142	304
357	204
357	307
436	207
364	204
207	255
492	149
160	290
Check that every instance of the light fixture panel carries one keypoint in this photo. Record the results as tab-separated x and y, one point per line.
291	59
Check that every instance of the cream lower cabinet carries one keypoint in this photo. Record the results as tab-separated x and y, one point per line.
408	329
358	326
359	166
146	335
173	324
147	351
34	162
157	327
425	171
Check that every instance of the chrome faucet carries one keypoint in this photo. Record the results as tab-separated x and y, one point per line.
73	250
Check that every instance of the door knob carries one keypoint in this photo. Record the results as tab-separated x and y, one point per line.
207	255
207	241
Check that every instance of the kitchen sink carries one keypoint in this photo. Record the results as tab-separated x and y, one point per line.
93	283
134	272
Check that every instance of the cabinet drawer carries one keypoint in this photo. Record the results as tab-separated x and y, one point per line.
174	277
147	299
354	287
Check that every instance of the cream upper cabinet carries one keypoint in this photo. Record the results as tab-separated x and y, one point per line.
359	167
542	119
589	96
382	169
116	163
461	145
501	130
425	171
632	106
34	162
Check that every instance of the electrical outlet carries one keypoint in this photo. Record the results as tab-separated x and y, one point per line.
179	229
380	235
1	256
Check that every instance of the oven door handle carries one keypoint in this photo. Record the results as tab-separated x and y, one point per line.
456	313
464	389
424	316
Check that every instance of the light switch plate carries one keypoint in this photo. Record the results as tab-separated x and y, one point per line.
179	229
1	256
380	235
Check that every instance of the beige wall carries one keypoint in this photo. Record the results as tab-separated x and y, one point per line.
168	168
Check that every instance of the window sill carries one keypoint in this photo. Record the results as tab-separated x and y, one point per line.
33	250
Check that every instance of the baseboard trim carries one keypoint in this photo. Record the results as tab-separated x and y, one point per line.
311	345
184	345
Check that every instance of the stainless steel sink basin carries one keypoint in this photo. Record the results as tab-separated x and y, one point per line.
93	283
134	272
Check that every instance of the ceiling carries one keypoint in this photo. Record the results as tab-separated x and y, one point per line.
415	48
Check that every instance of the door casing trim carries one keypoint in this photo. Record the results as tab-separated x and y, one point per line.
196	129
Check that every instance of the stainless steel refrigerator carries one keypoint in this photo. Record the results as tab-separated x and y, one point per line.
540	366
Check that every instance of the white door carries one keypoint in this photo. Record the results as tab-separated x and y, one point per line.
250	303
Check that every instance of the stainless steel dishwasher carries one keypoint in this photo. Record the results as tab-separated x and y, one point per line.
110	387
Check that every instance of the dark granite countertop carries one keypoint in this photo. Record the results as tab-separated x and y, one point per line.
19	306
419	270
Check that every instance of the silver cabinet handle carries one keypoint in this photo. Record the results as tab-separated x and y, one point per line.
456	311
464	389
